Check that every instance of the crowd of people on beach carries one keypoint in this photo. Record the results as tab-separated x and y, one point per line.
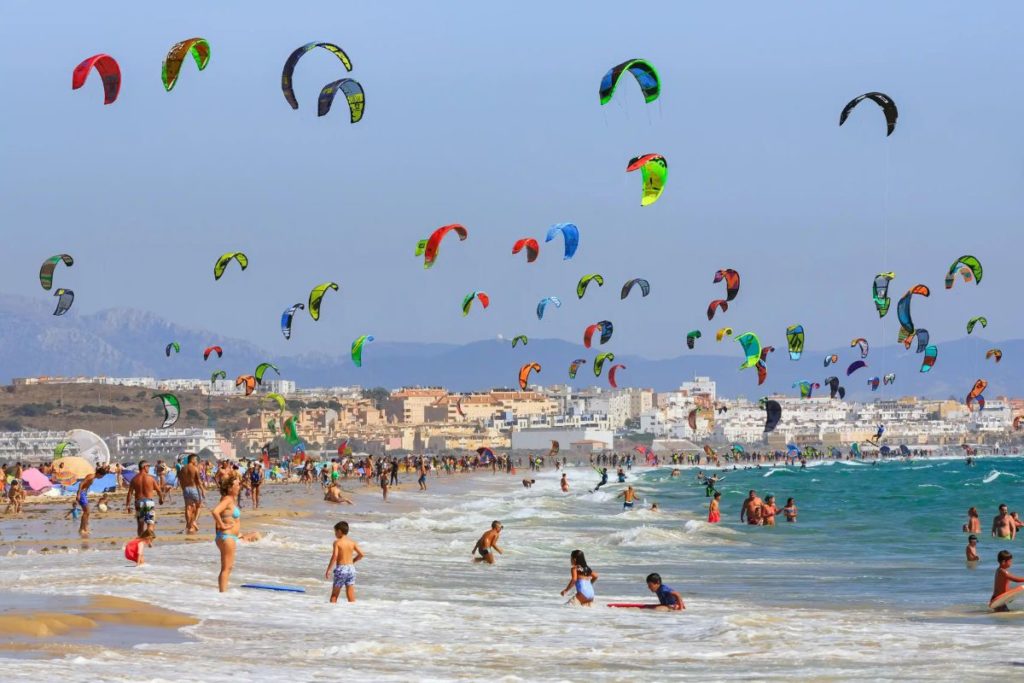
147	486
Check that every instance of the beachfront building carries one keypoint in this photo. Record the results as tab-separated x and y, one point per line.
569	439
167	444
141	382
32	447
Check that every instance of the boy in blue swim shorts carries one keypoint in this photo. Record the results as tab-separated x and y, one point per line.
346	553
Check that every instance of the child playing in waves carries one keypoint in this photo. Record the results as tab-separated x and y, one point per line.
133	549
564	483
1004	578
343	560
582	579
790	510
668	598
714	512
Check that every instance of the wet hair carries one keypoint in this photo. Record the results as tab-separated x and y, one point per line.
580	561
789	501
1004	555
654	578
227	483
972	512
342	527
102	470
972	537
147	535
495	524
718	494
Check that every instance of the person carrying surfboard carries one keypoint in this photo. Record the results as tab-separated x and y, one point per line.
1003	579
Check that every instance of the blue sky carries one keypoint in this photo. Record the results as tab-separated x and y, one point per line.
487	115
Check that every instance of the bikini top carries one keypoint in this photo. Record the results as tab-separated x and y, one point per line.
237	512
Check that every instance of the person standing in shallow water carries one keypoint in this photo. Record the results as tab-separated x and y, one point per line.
714	511
227	520
973	525
582	578
487	543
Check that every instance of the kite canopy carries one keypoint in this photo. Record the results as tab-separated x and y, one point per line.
287	317
293	59
357	349
570	234
316	295
108	70
49	265
200	50
882	100
653	172
354	95
642	71
531	246
222	263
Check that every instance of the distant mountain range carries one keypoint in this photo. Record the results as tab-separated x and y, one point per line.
124	342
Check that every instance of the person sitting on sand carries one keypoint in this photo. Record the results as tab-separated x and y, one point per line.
333	495
972	548
973	525
487	543
133	549
668	598
582	578
1004	578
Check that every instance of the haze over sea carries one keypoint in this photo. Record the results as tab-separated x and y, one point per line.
869	584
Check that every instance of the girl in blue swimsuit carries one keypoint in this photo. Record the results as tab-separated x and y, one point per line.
227	520
582	579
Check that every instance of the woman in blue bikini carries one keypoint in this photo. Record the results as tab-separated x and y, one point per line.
227	520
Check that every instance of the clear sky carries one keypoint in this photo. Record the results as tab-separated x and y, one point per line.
487	114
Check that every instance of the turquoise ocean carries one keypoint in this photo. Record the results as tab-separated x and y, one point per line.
869	584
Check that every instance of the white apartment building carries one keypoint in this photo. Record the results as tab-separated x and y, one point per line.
167	444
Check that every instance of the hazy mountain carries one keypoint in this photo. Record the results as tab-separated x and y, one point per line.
123	342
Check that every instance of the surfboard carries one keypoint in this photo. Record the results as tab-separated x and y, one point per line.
272	587
1006	598
634	605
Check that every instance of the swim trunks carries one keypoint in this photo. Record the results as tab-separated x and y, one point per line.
145	510
628	505
83	499
344	575
484	552
714	517
191	494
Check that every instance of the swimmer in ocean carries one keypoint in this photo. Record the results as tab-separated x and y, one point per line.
564	483
972	548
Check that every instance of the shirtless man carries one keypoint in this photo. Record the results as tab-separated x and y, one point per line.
1003	526
751	510
487	543
144	488
83	498
972	548
628	497
192	491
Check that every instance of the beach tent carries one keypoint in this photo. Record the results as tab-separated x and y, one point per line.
105	484
35	481
72	468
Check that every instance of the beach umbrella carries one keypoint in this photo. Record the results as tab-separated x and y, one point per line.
72	468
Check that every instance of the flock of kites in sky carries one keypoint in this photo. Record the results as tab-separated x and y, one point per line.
654	175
